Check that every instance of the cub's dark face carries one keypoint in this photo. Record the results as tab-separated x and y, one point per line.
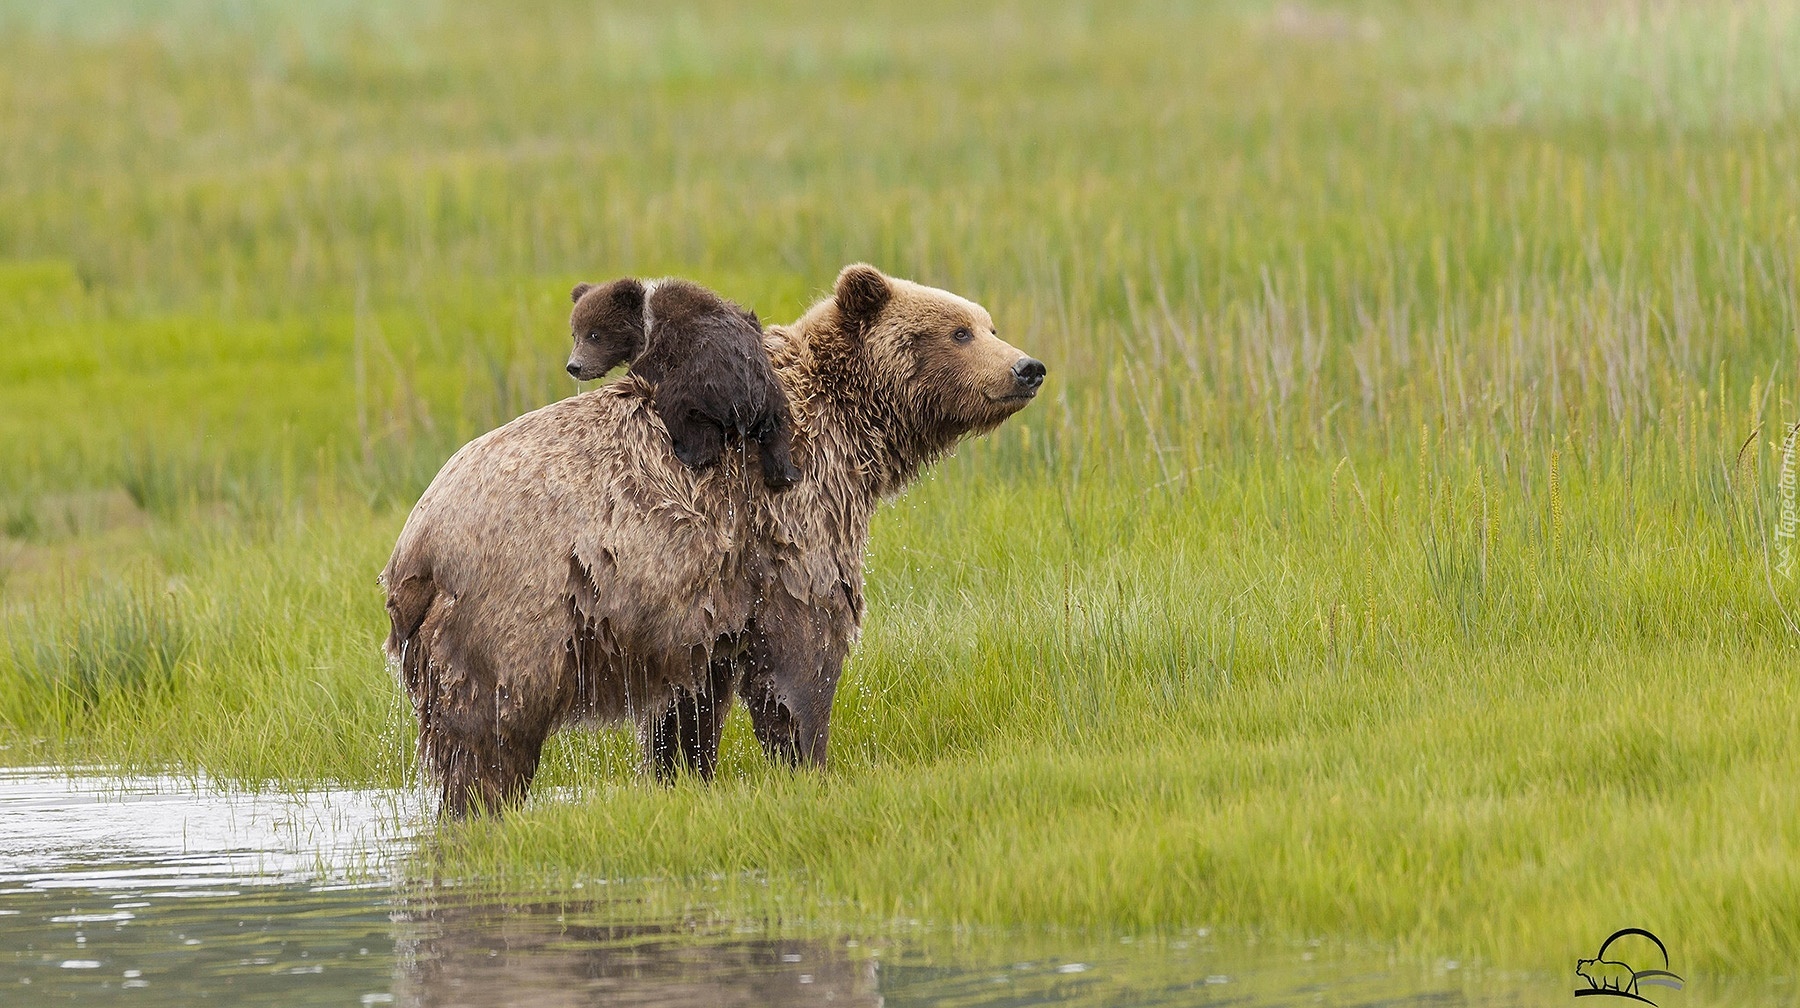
945	366
607	326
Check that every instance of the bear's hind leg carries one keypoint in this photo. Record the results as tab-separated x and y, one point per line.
482	749
486	778
463	789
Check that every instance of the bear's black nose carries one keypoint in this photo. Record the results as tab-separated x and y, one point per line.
574	370
1029	372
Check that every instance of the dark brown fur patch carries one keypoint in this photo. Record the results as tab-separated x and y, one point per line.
704	360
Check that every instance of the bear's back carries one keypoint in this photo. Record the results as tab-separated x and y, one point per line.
584	494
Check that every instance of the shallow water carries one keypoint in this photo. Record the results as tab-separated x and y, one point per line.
169	890
153	891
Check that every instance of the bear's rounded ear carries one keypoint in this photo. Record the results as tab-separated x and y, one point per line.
628	292
580	289
862	291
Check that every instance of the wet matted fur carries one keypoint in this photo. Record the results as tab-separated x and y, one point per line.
567	566
703	357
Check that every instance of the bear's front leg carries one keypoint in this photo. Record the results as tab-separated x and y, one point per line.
789	687
689	731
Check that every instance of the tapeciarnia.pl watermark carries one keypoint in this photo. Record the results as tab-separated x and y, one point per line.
1788	517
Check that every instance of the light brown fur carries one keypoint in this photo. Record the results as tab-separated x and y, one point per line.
566	566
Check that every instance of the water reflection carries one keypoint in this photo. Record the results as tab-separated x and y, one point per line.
435	948
459	950
279	944
466	950
165	893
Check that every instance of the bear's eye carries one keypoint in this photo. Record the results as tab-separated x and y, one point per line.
595	335
962	334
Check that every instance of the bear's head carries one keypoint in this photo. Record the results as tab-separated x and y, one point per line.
607	325
926	366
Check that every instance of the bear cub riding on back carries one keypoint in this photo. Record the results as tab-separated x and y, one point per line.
704	359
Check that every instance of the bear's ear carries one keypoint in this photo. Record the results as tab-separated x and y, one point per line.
580	289
862	291
628	293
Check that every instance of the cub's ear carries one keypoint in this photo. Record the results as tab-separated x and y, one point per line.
580	289
862	291
629	293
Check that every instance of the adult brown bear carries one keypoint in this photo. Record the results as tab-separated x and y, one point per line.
566	566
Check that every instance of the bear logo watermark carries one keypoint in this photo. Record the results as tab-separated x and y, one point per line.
1603	977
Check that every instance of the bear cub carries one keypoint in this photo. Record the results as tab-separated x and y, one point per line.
704	359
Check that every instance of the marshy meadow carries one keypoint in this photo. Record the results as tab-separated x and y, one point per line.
1394	560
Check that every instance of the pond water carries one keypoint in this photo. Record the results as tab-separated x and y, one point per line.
156	891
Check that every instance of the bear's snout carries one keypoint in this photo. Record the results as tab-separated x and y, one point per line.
574	370
1028	374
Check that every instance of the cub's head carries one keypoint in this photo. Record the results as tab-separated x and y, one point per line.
932	362
607	326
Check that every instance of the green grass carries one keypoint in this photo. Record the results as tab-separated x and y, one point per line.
1389	558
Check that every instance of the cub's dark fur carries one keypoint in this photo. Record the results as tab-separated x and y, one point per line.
704	358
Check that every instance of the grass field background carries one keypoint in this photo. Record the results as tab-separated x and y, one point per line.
1390	558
